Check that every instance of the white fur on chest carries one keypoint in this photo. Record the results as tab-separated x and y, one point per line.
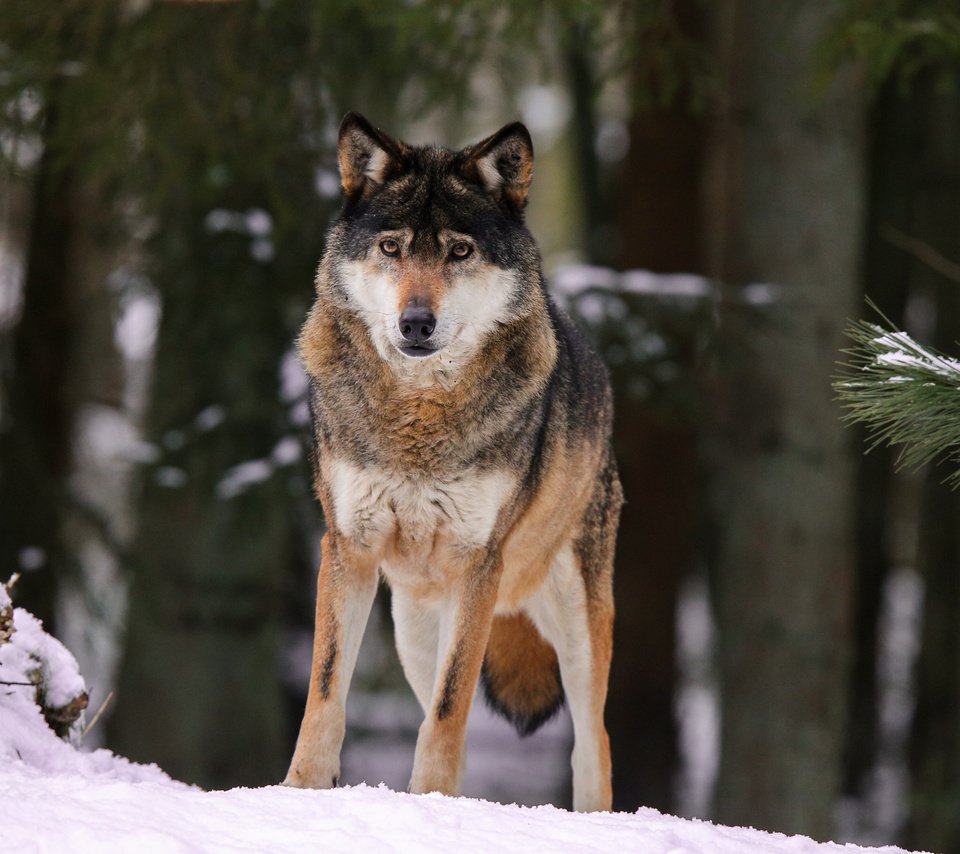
373	504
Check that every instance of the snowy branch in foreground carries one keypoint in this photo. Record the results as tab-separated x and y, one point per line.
906	394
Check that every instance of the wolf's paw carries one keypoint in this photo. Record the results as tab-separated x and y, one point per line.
301	777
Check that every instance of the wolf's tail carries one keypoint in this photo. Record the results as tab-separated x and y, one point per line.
521	676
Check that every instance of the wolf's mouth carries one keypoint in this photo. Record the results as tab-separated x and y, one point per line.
417	351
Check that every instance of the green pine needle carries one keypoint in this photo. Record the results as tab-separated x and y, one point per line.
906	394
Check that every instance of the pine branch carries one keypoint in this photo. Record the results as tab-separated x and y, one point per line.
906	394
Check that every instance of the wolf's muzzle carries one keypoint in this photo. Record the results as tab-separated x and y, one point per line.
416	326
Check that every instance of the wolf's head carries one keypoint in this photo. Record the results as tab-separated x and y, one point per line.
430	249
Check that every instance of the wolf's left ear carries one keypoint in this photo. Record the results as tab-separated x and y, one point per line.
503	165
366	155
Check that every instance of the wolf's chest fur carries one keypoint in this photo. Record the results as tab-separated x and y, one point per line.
412	521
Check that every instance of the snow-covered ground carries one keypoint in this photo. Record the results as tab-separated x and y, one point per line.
55	797
71	812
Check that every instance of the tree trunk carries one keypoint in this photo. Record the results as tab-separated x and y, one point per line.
894	129
934	821
934	816
655	546
200	688
583	91
38	405
786	191
658	227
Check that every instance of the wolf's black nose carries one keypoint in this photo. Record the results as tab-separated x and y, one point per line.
417	324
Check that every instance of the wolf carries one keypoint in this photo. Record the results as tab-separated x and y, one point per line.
461	429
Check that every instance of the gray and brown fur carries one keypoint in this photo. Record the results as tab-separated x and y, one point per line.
462	431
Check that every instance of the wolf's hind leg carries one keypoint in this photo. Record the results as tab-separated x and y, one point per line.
346	585
464	627
416	630
579	626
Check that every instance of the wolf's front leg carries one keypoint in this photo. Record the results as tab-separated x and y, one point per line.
346	586
465	628
578	623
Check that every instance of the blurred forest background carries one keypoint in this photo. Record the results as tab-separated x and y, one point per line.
717	187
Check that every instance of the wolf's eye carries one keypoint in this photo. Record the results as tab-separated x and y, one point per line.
390	247
460	250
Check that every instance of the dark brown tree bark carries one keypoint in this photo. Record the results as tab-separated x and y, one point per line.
655	543
786	191
934	822
659	228
934	818
895	135
38	404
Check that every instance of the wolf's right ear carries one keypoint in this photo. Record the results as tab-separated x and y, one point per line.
503	165
366	155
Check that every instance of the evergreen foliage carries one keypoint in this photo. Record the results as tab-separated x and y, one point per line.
905	393
898	40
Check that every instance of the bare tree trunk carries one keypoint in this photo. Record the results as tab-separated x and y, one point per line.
787	191
583	91
38	405
657	455
934	821
658	227
655	544
893	128
200	688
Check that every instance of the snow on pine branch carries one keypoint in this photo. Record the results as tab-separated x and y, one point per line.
906	394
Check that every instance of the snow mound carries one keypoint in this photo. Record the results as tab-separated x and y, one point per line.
36	667
72	813
54	798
